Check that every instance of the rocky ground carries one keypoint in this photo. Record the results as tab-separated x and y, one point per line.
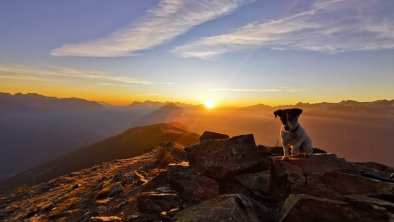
218	179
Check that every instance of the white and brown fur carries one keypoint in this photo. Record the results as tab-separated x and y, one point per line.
293	136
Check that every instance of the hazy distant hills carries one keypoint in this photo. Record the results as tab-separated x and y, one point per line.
169	113
35	128
355	107
34	102
130	143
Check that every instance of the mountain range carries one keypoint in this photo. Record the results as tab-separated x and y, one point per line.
35	129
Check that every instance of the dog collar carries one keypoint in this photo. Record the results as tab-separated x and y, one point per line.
295	129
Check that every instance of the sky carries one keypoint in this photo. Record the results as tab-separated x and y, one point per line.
234	52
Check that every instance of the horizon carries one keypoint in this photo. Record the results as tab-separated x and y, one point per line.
234	53
215	105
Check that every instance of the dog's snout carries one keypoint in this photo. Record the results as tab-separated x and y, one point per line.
287	128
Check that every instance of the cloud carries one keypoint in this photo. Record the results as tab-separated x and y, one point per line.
161	24
21	72
327	27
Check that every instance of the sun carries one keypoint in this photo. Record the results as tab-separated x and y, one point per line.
209	104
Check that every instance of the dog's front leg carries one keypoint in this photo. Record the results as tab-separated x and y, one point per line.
286	153
296	149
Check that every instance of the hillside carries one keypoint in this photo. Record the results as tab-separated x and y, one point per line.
132	142
26	120
214	180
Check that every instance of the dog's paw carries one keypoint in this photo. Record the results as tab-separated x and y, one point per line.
285	158
305	155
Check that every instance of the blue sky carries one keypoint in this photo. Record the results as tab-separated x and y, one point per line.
231	51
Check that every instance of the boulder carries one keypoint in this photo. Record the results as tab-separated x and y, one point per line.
156	203
170	153
229	207
302	207
346	184
303	175
208	135
321	163
192	188
227	158
259	181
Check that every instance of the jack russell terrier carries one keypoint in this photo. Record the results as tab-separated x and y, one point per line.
292	134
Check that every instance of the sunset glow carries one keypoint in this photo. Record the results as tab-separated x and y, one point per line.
209	104
139	51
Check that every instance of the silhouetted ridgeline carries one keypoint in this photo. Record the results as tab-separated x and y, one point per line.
130	143
218	179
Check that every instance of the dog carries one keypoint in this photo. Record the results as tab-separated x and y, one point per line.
292	134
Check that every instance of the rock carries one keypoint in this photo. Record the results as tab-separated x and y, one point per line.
345	184
161	179
193	188
156	203
117	178
302	175
229	207
260	181
208	135
321	163
227	158
372	167
170	153
288	175
111	191
302	207
106	219
278	150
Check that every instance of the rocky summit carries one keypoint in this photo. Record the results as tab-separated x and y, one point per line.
218	179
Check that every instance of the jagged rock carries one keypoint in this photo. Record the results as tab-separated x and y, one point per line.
193	188
110	191
229	207
156	203
208	135
260	181
170	153
227	158
302	207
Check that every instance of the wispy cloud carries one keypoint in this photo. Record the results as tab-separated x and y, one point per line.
21	72
327	26
161	24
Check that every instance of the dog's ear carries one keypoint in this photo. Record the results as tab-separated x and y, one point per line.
297	111
278	113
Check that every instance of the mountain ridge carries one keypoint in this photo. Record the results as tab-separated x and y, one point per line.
238	181
130	143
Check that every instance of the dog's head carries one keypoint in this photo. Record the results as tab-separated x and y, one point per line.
289	117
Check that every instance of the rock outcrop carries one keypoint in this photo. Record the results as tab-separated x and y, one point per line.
218	179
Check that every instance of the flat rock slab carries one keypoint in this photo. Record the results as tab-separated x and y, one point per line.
230	207
302	207
321	163
227	158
